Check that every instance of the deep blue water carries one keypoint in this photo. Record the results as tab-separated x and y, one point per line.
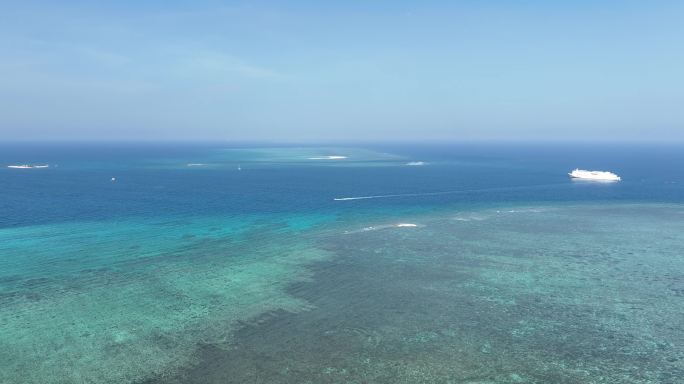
78	185
235	263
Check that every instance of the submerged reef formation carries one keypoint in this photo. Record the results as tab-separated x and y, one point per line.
106	313
541	294
581	294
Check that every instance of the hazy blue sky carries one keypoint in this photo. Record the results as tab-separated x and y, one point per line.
310	70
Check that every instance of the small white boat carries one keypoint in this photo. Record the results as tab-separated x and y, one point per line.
27	166
594	175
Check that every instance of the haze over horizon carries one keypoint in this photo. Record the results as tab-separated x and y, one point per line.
350	71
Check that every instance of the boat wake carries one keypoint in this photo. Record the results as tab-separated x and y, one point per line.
328	158
454	192
384	226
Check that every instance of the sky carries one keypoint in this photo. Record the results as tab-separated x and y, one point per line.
297	71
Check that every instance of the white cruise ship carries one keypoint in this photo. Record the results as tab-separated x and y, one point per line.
594	175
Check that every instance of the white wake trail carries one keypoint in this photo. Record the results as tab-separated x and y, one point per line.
443	192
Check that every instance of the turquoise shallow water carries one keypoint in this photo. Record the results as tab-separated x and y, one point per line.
539	294
206	273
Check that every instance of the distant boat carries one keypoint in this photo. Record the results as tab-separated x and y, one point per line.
27	166
594	175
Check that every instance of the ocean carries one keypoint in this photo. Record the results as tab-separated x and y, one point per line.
360	263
